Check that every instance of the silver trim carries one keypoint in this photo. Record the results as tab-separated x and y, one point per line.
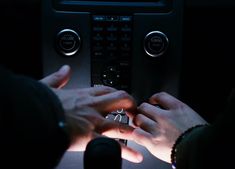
165	47
75	50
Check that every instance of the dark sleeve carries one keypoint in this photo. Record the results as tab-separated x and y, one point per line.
32	134
212	146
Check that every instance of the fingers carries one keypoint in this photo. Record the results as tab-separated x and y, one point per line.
114	101
102	125
142	137
59	78
122	131
145	123
151	111
101	90
117	130
131	155
165	100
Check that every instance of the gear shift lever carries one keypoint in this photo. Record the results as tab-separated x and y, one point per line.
103	153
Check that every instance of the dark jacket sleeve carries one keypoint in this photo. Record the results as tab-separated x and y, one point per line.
212	146
31	119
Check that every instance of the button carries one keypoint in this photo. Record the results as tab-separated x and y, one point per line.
124	64
112	28
98	54
125	38
125	47
98	18
68	42
98	29
111	55
125	54
155	44
112	18
111	76
126	28
119	116
125	18
111	38
97	48
112	47
98	37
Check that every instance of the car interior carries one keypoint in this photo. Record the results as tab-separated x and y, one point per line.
183	47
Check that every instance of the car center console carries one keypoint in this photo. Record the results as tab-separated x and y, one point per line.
132	45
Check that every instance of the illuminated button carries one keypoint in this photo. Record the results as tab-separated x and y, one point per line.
125	18
98	18
112	18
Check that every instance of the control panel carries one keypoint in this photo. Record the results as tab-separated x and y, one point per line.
111	39
134	46
111	46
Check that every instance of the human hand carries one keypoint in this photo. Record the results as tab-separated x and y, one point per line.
58	79
85	111
157	129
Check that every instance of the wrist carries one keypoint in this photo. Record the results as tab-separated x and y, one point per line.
179	140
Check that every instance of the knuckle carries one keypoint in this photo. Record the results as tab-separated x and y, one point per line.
179	105
161	94
136	120
138	116
143	106
80	92
92	102
126	98
107	89
123	94
85	102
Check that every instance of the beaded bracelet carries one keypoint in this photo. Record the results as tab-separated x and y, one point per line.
178	140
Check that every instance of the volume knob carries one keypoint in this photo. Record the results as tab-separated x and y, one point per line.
68	42
155	43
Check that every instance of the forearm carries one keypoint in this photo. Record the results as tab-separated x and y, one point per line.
31	117
209	147
191	150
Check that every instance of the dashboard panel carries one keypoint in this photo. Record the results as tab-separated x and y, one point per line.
131	46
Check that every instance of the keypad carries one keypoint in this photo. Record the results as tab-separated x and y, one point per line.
111	50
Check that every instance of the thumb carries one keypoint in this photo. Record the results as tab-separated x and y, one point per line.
58	79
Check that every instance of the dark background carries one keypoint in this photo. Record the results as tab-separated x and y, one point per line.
208	64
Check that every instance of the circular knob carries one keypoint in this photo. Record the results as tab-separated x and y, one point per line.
155	43
68	42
